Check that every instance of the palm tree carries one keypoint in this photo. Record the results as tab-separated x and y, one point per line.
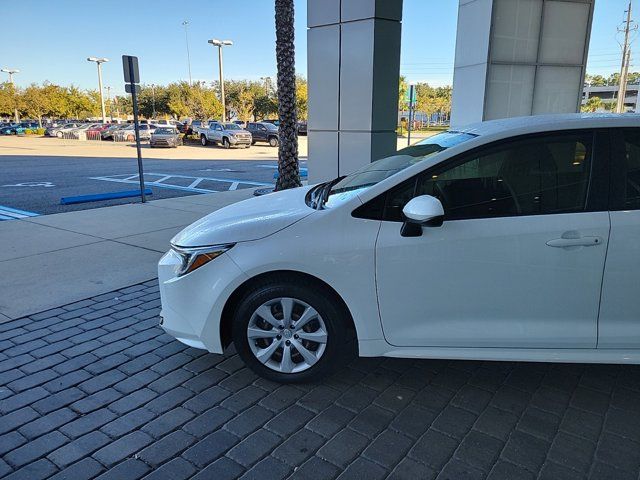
288	168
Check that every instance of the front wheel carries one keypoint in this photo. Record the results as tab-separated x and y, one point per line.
225	143
289	332
273	141
203	140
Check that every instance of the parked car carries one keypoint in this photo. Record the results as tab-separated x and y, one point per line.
512	240
60	131
95	131
226	134
128	133
107	134
165	137
264	132
20	128
8	129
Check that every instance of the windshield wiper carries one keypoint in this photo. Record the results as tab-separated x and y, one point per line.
326	189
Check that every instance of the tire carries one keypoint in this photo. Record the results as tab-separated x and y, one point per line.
59	134
203	140
225	143
330	318
273	141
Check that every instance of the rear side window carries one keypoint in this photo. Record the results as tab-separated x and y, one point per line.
530	176
631	169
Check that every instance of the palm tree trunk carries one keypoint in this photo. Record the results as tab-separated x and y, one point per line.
288	168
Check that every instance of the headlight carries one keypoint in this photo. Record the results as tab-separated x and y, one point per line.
194	258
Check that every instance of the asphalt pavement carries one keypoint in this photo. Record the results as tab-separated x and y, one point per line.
37	183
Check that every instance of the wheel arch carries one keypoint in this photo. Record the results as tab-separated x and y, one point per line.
287	275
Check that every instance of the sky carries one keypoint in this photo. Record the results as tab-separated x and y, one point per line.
50	41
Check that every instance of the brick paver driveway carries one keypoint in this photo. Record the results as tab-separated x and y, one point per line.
96	389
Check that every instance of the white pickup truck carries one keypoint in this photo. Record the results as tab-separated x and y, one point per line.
226	134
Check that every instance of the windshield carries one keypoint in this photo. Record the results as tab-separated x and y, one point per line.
232	126
270	126
164	131
379	170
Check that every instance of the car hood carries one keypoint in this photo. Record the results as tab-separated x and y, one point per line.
251	219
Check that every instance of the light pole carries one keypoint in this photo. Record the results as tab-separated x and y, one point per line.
11	71
99	62
108	89
153	100
267	84
221	43
185	24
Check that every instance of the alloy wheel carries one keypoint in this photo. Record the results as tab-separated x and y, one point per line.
287	335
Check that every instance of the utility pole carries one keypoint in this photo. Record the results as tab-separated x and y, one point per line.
11	71
221	43
185	24
99	62
626	55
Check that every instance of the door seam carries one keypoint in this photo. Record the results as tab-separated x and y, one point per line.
604	268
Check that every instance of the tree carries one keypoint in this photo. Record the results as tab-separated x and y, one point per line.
8	98
241	96
302	97
288	167
265	106
593	104
35	102
403	87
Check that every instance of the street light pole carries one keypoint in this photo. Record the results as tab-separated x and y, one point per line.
153	99
108	89
11	71
185	24
221	43
99	62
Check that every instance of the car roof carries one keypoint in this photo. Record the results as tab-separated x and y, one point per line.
509	127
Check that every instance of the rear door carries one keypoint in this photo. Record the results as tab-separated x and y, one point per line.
619	325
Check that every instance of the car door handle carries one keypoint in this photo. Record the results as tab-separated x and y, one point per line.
575	242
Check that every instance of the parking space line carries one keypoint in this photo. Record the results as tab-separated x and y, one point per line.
192	187
8	213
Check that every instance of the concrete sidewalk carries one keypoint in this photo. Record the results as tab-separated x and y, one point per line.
54	260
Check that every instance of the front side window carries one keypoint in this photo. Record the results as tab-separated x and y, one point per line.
541	175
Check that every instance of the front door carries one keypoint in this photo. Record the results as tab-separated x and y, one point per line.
518	262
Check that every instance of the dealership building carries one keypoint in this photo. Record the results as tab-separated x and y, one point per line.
512	58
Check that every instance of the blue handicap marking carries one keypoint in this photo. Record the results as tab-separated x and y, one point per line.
9	213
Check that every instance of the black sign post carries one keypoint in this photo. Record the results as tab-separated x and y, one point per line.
132	78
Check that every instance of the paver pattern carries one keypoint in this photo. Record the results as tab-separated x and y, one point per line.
96	389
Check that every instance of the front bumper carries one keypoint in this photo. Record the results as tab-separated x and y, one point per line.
240	140
192	304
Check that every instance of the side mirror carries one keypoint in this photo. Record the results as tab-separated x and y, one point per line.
424	210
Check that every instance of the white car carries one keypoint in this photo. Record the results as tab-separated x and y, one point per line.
513	239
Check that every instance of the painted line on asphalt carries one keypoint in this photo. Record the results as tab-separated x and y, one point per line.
193	186
8	213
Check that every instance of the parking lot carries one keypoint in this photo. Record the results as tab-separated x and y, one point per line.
95	389
38	172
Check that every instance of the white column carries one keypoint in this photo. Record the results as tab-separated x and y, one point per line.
519	57
353	58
